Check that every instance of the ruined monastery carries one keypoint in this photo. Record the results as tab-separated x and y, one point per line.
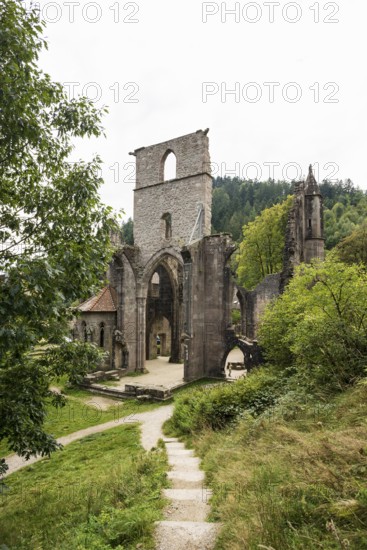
175	285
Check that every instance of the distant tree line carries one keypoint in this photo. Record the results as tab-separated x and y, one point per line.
237	202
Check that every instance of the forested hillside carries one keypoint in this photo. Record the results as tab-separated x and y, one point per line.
237	202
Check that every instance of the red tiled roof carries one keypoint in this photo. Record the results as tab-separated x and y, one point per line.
105	301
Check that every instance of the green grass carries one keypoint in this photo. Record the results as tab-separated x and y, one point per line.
100	492
109	383
81	411
293	478
136	374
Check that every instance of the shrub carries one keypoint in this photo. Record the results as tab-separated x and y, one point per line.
319	324
218	406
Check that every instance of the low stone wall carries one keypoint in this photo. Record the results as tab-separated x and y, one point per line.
138	391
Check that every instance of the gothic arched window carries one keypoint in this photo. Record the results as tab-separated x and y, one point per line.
169	166
101	335
167	226
84	331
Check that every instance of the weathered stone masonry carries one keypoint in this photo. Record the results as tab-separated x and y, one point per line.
175	285
181	197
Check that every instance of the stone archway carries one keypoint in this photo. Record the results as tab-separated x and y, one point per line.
251	351
163	318
159	338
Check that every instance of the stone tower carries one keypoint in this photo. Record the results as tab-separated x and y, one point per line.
304	242
313	220
305	229
168	214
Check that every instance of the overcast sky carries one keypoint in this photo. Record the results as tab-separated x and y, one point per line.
280	84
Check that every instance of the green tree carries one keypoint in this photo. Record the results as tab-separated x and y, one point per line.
353	249
235	225
54	232
235	199
261	250
128	232
220	209
341	220
319	325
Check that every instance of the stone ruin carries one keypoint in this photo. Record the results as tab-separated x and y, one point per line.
174	288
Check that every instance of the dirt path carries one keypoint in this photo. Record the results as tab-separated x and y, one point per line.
151	431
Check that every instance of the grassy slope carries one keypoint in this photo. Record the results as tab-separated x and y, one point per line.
291	483
100	492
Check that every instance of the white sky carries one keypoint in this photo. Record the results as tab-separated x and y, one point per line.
165	58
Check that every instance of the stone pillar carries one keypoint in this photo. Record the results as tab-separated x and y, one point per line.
176	330
207	301
140	333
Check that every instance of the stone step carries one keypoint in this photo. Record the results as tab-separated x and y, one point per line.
195	495
185	535
171	440
187	510
183	475
179	452
184	462
175	445
186	479
180	484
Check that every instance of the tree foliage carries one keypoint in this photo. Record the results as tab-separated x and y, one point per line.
353	249
342	219
54	231
261	251
319	325
127	229
237	202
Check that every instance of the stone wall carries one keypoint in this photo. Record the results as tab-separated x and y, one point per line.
162	328
88	328
254	302
122	277
207	305
181	198
314	231
192	154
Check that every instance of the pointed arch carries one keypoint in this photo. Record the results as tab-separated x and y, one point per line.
84	331
168	166
101	335
164	307
166	226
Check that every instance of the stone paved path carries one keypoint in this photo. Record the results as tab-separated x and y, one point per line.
185	526
160	373
151	431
